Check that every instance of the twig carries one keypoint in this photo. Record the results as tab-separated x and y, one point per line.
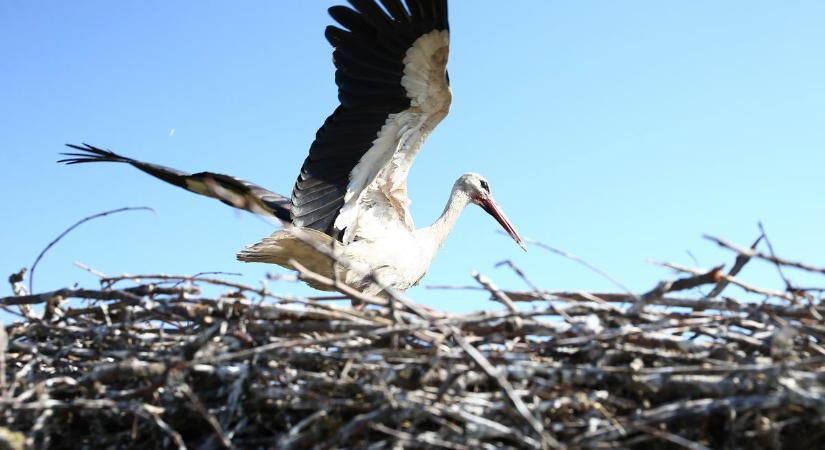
91	270
738	264
670	437
19	288
207	416
497	293
520	273
760	255
709	277
484	364
152	414
731	280
788	286
337	284
584	263
77	224
4	343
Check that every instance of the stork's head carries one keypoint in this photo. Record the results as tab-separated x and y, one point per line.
478	190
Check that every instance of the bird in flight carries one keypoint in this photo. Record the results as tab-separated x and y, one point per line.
348	217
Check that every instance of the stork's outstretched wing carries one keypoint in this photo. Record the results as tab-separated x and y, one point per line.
392	84
228	189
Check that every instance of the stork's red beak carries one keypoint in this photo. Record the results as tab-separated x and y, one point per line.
492	208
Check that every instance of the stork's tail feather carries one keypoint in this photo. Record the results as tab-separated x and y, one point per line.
285	245
233	191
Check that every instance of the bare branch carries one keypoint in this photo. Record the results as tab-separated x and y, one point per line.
757	254
75	225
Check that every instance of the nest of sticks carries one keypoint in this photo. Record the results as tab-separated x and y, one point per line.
153	362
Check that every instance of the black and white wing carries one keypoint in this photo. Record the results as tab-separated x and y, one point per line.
233	191
392	82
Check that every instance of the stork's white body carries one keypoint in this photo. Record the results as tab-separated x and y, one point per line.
384	246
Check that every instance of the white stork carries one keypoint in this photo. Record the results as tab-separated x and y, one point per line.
351	194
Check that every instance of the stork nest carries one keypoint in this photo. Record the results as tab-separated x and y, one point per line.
152	362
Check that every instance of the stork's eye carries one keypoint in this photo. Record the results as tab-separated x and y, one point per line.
485	186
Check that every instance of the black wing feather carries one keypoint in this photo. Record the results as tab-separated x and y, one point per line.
350	19
370	46
397	10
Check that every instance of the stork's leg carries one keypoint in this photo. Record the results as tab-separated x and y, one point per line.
233	191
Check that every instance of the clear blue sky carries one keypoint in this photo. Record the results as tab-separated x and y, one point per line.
618	131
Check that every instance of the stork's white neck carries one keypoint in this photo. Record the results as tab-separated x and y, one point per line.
435	235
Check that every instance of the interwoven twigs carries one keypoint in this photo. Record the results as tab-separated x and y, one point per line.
151	361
